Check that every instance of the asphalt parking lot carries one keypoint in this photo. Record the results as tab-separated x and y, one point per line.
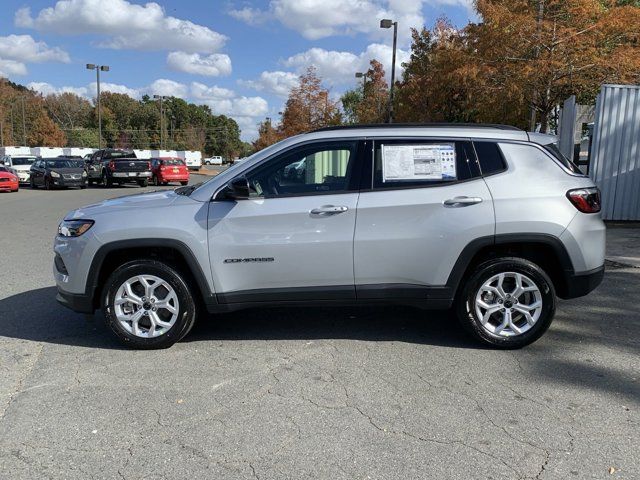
379	393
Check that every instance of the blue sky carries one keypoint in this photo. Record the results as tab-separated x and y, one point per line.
240	57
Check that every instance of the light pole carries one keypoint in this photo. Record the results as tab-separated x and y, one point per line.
161	97
363	76
386	23
98	68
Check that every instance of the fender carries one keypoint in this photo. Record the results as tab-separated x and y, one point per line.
478	244
194	267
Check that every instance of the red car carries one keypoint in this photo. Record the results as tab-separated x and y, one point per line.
8	180
165	170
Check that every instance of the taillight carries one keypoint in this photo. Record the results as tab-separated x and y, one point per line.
112	165
587	200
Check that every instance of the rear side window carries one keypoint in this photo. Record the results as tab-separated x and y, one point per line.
553	149
490	157
400	163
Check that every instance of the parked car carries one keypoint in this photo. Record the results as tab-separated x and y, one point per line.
484	219
213	161
165	170
58	172
113	166
20	165
8	180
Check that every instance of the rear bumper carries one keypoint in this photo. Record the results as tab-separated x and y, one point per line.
580	284
174	178
77	302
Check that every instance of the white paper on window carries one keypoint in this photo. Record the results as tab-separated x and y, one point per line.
419	162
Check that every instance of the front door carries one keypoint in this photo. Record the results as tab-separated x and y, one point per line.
427	202
293	238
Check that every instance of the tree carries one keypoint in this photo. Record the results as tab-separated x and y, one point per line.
350	101
267	135
68	110
374	107
308	107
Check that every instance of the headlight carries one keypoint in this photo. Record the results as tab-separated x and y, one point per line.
84	174
74	228
55	174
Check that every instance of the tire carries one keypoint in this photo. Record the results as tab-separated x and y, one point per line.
32	184
155	181
90	182
143	183
116	316
106	181
47	184
184	183
521	330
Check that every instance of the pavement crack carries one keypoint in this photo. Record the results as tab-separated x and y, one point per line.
19	387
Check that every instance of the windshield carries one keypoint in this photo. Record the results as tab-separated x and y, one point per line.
554	150
64	164
22	160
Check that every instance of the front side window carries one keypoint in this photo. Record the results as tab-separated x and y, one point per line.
310	170
417	163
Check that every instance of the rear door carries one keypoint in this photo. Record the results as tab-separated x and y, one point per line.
293	238
425	203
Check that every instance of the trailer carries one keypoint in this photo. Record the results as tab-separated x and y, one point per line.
47	152
142	154
77	151
192	158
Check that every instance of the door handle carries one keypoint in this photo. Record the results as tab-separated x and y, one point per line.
327	210
457	202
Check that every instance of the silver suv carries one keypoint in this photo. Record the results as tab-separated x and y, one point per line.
487	219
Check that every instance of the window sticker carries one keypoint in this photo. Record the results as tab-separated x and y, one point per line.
419	162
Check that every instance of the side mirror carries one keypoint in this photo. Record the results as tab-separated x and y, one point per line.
238	189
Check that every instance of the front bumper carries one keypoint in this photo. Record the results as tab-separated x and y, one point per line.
580	284
23	177
80	303
65	182
8	186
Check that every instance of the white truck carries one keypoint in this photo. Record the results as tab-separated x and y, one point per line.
18	160
192	158
215	160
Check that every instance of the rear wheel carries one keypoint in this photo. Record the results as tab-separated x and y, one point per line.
148	304
156	182
184	183
106	181
507	303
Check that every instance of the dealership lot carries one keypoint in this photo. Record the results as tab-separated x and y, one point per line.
308	393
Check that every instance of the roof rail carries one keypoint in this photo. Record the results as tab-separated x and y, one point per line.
417	125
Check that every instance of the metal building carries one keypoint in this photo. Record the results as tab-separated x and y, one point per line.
615	151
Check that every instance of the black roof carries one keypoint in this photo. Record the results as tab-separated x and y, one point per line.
417	125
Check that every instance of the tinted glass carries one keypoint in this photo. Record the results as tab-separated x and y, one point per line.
553	149
418	163
119	154
310	170
172	162
490	157
63	164
23	160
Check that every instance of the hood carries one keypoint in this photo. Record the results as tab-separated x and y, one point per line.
159	199
21	168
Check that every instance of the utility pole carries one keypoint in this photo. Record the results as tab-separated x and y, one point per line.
161	98
2	132
532	119
98	68
24	124
386	23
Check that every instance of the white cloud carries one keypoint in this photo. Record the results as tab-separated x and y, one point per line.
127	25
213	65
250	16
170	88
47	89
11	67
339	68
24	48
276	83
200	91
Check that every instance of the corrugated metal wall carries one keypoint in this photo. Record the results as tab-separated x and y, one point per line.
328	163
615	151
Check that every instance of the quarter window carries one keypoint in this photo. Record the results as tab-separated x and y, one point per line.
490	157
315	169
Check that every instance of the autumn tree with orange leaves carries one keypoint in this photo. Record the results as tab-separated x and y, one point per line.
524	55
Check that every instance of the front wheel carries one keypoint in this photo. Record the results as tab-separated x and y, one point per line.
148	304
143	183
507	303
